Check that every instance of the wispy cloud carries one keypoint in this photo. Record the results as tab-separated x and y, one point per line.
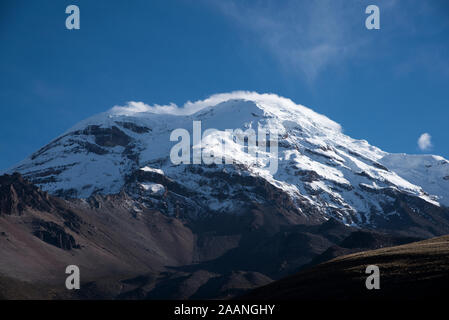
425	142
308	36
312	37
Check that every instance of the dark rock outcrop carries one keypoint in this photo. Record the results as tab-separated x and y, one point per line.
17	195
54	234
134	127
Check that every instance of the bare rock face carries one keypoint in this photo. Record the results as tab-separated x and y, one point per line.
107	137
20	197
54	234
17	195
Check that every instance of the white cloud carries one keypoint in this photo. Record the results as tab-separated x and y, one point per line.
425	142
189	107
134	108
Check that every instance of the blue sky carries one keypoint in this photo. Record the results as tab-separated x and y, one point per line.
387	86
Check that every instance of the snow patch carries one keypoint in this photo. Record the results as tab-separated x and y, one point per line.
153	188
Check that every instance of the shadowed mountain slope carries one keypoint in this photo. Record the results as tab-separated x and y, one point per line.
413	271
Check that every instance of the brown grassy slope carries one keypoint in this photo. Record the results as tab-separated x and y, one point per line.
413	271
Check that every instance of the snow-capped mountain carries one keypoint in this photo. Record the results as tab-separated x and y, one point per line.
321	172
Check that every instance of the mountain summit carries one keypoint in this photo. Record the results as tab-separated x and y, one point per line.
321	172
